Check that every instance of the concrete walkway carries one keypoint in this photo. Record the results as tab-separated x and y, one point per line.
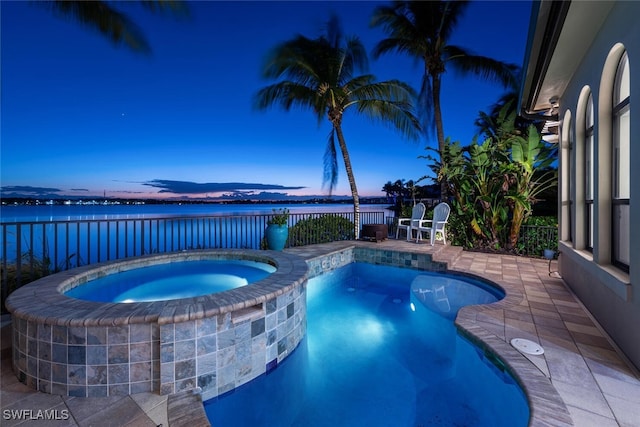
597	385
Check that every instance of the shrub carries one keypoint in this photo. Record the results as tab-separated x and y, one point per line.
323	229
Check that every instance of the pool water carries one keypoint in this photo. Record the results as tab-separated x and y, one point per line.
381	350
172	280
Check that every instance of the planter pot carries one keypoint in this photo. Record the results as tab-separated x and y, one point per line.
276	236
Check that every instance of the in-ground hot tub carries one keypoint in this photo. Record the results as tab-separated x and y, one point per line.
172	280
216	341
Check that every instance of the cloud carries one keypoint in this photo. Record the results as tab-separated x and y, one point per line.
80	189
29	190
187	187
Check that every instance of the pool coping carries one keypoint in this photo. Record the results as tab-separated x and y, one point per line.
43	300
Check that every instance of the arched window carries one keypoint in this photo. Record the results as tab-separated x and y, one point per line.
621	166
589	172
582	173
566	178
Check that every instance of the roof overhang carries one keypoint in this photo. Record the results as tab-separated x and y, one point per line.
560	34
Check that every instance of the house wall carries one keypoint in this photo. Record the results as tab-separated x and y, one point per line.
609	293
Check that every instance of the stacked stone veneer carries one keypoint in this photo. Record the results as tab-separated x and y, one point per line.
216	342
93	361
223	352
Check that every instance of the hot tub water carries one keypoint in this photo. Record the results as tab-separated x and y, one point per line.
172	280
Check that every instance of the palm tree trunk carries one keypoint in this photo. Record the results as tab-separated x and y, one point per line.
437	117
351	178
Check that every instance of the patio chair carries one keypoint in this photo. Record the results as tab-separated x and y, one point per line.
409	224
435	225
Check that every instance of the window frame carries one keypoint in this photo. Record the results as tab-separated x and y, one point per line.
621	105
589	167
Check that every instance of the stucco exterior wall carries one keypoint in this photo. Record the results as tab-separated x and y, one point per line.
609	293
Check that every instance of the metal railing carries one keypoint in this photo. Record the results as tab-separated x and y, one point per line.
534	239
30	250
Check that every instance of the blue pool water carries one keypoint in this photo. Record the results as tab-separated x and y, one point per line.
172	281
381	350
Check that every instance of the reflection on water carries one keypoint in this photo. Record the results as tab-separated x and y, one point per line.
445	295
370	360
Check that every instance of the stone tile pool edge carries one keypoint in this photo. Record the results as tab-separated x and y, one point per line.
213	343
546	406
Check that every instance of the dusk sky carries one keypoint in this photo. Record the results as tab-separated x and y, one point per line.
81	116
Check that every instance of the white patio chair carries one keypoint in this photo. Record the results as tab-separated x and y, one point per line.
435	225
409	224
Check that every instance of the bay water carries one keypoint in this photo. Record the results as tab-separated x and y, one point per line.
33	213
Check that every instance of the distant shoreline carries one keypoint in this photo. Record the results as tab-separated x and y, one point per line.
35	201
47	212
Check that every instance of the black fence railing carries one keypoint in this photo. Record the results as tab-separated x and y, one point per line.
534	239
30	250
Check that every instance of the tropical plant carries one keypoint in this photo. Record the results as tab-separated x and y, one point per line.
279	217
112	23
321	75
494	184
401	190
422	30
529	154
389	190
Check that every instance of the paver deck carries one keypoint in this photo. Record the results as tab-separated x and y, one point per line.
597	385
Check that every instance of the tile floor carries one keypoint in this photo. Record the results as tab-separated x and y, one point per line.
598	387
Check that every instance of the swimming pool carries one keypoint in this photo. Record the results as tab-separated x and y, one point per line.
381	350
172	280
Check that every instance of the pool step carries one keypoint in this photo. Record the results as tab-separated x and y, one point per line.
447	254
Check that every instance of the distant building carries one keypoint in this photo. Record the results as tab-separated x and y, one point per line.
581	71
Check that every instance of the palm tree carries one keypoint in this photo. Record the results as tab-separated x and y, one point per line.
320	75
388	190
422	29
487	123
101	16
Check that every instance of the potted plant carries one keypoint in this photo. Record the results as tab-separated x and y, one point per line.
277	229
